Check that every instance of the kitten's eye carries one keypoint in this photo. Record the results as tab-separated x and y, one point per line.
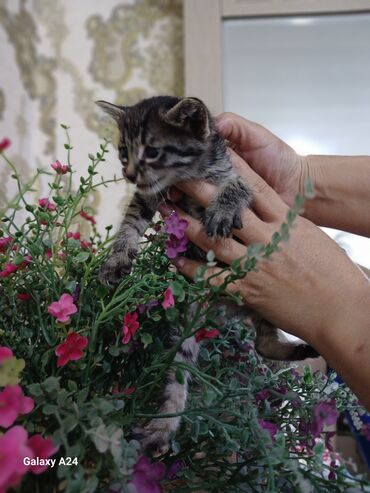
151	152
123	153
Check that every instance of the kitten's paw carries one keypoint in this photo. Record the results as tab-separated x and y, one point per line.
155	436
219	222
116	267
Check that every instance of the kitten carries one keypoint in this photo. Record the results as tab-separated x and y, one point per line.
165	140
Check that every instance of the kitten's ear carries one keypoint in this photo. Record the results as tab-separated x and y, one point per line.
191	114
116	112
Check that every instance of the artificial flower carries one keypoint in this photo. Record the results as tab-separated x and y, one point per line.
130	326
71	349
206	334
12	468
168	299
4	144
4	243
9	371
63	308
46	204
88	217
174	225
43	448
174	246
147	476
61	169
5	353
12	404
271	428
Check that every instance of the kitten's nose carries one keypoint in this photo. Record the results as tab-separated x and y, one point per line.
130	173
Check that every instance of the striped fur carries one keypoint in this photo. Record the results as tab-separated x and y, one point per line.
165	140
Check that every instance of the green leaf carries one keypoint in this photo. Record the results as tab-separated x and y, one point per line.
49	409
194	432
51	383
178	290
82	257
146	339
309	189
172	314
179	375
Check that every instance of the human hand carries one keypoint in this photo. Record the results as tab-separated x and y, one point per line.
274	160
307	288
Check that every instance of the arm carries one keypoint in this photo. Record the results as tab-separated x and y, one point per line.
309	288
342	186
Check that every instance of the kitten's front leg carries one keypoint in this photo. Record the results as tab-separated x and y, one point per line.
224	212
137	218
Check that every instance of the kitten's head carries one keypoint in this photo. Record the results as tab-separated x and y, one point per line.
161	138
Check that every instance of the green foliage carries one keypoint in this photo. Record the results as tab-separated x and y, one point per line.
86	406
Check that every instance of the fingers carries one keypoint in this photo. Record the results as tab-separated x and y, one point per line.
214	275
244	134
266	202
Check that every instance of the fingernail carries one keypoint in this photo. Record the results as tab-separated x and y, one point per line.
179	261
165	209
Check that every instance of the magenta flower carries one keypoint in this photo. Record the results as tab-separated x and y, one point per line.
88	217
42	448
177	241
63	308
8	270
130	326
12	404
206	334
5	353
75	236
146	476
46	204
14	442
61	169
174	225
4	144
23	296
4	243
168	299
261	396
271	428
174	246
71	349
325	413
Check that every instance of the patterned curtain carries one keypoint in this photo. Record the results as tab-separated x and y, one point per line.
58	57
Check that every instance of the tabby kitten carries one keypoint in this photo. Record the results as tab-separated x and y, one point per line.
164	140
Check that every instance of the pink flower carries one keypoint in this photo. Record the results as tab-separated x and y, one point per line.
175	226
49	253
26	260
63	308
61	169
8	270
46	204
42	448
87	216
4	243
206	334
12	468
12	404
71	349
271	428
130	326
168	299
174	246
23	296
75	236
129	390
5	353
86	245
146	476
365	431
4	144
